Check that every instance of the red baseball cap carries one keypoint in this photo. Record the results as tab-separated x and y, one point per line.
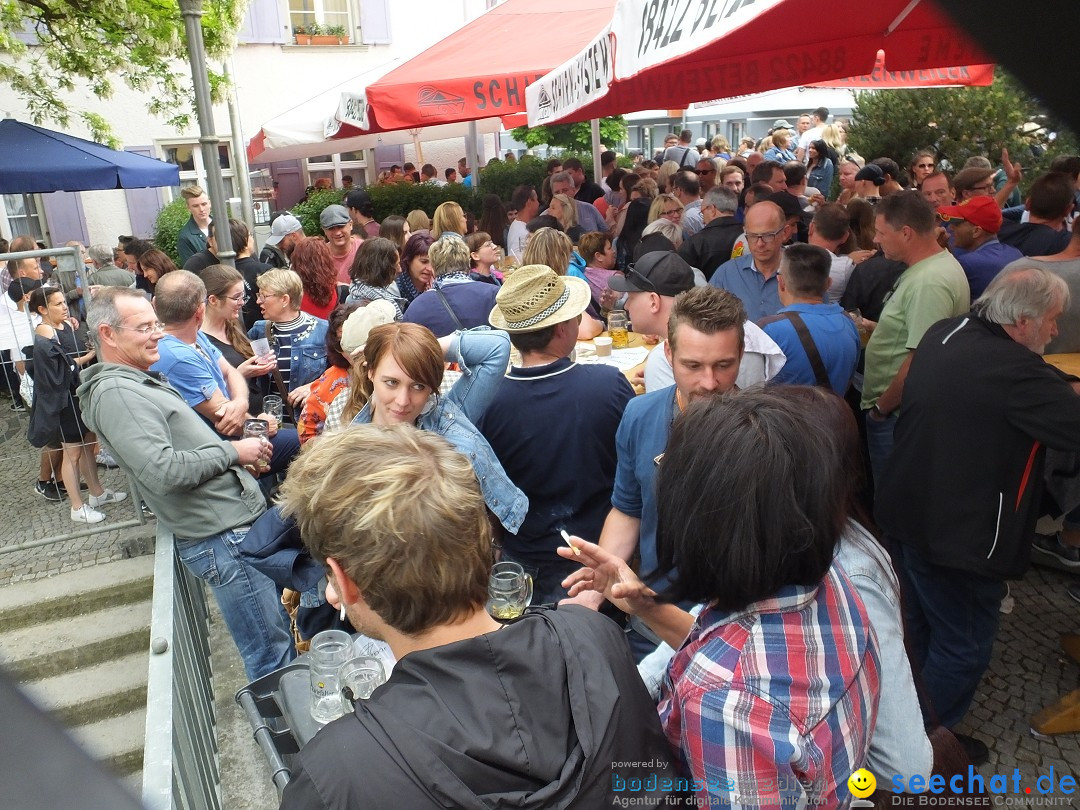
982	211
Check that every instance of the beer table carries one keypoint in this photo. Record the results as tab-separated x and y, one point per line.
1063	717
628	360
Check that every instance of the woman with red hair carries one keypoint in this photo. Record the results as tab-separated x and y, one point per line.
312	261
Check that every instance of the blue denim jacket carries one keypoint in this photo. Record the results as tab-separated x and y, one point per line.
482	355
308	357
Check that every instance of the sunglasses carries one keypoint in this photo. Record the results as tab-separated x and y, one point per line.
639	280
706	171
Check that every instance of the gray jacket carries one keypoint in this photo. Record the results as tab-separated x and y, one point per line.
186	474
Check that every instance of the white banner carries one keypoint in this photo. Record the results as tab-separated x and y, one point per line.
574	84
353	110
650	32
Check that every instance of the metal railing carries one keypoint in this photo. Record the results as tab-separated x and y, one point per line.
180	760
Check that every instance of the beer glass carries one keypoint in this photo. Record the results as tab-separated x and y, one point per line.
510	590
330	649
618	328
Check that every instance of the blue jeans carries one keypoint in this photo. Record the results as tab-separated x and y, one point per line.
952	619
879	441
249	601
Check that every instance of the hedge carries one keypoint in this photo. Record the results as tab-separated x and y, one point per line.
498	177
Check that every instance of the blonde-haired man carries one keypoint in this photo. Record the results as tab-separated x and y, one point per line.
192	237
531	713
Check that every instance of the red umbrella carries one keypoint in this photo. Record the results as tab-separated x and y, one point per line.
671	53
482	69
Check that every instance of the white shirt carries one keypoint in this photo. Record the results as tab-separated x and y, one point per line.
16	331
812	134
516	237
840	271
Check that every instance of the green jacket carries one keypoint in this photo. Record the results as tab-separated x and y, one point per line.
186	474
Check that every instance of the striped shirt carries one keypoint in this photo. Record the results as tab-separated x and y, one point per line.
774	704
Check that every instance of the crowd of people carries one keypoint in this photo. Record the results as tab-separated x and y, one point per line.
807	500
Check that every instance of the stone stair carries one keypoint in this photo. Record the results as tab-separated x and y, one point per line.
78	643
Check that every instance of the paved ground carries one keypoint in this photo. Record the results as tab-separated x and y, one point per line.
1029	670
26	516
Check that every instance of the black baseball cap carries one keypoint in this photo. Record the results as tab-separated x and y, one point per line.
788	203
660	272
361	201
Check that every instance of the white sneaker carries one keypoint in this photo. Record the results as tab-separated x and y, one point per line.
85	514
108	496
104	459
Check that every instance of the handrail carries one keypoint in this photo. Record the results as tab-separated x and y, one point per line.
180	759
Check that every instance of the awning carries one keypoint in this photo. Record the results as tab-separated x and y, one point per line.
482	69
670	54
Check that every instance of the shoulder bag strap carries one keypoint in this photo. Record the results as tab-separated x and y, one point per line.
450	309
811	349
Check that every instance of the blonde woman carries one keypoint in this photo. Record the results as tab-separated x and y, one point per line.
297	339
667	169
562	208
418	220
448	218
667	206
780	151
553	249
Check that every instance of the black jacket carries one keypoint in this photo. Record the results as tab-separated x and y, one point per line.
711	246
964	482
541	714
54	387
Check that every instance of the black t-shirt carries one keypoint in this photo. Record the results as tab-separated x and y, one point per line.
589	192
251	269
200	261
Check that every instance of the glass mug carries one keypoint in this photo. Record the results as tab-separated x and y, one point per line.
259	429
360	676
329	650
274	407
510	590
618	328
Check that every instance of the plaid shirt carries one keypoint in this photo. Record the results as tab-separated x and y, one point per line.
774	704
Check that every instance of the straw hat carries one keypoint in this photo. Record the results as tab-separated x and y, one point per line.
354	332
535	297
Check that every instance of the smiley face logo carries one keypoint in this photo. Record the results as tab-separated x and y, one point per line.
862	783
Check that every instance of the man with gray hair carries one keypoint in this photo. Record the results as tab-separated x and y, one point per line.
961	492
195	482
455	301
107	274
711	246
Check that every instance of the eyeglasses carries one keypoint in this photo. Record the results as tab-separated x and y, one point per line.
262	296
706	171
242	298
145	331
765	238
672	212
488	244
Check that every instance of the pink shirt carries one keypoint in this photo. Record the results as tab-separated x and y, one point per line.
344	264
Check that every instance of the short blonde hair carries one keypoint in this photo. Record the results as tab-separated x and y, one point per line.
666	228
401	511
656	208
549	247
418	220
280	281
449	254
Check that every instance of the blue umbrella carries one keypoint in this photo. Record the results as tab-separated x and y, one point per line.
36	161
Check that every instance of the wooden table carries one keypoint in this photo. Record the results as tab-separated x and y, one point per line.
635	340
1069	363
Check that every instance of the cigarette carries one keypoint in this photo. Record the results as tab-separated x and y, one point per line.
343	611
566	537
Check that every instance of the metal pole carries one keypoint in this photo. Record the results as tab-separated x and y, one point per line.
594	128
191	10
472	154
240	161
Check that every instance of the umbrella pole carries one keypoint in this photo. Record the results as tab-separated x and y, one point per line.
416	145
594	128
191	10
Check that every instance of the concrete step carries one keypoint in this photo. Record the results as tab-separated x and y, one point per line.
65	645
116	742
93	693
77	593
